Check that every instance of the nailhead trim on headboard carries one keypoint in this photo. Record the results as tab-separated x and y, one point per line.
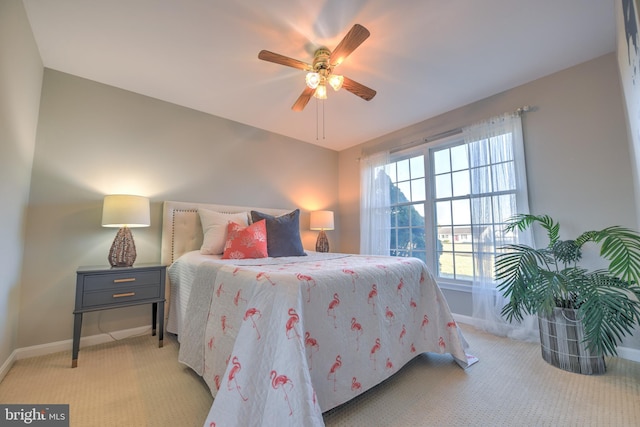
173	229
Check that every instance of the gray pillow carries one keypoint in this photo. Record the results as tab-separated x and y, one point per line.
283	233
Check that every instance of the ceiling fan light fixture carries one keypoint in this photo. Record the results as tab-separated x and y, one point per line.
319	72
336	81
321	92
312	79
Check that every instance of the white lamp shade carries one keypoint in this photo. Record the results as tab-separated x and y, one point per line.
312	80
321	220
336	81
321	92
123	210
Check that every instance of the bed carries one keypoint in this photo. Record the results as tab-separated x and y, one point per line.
287	338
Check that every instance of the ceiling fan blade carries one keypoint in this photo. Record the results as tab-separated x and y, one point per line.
266	55
303	99
354	38
358	89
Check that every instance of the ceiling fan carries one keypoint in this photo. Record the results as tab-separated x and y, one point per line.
320	72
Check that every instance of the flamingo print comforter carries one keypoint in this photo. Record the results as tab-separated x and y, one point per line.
285	339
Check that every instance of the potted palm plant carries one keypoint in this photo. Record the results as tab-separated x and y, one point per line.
582	314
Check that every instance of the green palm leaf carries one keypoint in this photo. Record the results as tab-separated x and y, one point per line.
607	311
524	221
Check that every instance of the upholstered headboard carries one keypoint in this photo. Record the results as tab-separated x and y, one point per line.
182	230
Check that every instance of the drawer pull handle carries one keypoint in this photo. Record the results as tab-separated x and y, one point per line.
129	279
126	294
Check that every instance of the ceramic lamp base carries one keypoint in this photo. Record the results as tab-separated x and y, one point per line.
322	244
123	249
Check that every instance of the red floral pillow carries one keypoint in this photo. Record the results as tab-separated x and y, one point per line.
246	242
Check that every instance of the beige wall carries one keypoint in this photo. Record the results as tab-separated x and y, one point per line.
577	153
94	140
20	82
629	67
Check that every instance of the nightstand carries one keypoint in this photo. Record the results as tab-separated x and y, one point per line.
102	288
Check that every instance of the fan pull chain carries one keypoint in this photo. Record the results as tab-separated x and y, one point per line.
318	119
323	119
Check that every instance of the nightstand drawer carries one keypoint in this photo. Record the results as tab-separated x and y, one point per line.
125	279
120	296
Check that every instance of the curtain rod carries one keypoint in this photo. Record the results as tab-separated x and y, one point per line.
447	133
426	140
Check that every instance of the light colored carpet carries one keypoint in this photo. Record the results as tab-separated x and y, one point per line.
134	383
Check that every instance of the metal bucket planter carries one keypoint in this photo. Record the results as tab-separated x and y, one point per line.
561	340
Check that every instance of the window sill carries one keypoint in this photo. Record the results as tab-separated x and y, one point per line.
454	286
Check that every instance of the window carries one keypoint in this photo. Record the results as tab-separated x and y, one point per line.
449	202
407	195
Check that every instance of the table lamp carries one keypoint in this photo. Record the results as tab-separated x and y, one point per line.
321	220
124	211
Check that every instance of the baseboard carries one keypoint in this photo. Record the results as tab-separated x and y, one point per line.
629	353
54	347
623	352
66	345
461	318
4	369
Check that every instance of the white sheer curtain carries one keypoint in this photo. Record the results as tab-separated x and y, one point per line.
497	142
375	220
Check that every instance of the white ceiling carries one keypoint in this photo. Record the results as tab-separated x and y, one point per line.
424	57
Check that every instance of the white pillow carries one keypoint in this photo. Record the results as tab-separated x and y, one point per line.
214	229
